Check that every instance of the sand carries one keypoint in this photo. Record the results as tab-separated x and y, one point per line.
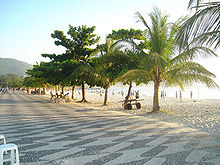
198	114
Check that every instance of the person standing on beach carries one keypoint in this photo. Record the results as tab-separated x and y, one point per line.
122	93
176	95
137	95
180	96
191	94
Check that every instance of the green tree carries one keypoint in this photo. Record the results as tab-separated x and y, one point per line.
133	40
68	72
32	82
28	82
79	48
10	80
55	72
36	77
108	65
203	26
76	71
132	73
162	61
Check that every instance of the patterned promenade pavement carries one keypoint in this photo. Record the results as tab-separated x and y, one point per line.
75	134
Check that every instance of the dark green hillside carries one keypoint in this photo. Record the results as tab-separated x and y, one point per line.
12	66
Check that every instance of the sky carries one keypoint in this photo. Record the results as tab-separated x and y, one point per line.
26	25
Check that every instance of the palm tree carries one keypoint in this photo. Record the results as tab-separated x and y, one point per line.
203	27
131	73
110	53
162	61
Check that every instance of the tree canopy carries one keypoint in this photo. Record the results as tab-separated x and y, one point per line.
11	81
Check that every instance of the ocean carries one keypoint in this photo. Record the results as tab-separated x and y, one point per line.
198	92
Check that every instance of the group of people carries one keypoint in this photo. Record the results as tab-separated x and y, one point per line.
3	90
57	98
180	95
163	94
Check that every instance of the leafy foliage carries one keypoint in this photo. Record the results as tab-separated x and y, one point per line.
10	80
202	28
80	42
126	34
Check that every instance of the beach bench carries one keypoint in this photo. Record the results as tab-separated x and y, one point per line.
127	104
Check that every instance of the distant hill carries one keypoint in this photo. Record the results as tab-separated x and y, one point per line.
12	66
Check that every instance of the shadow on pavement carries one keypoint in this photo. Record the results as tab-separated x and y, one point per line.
9	101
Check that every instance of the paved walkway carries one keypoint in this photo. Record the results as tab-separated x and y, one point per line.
73	134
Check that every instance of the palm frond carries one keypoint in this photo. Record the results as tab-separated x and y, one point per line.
141	19
203	28
135	75
153	60
200	3
189	79
190	72
194	53
173	82
194	3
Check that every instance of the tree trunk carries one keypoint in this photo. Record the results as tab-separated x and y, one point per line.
83	93
156	103
106	92
56	89
44	89
73	88
129	92
62	90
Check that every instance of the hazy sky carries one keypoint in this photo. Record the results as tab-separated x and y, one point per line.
26	25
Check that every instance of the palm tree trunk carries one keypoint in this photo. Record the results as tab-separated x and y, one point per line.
106	92
83	93
156	103
73	88
129	92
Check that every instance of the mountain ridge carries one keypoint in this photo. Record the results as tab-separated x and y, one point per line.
13	66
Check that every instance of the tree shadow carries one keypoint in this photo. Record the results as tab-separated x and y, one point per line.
9	101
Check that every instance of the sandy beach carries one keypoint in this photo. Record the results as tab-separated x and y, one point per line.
195	113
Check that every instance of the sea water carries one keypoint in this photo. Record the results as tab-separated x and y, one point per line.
198	91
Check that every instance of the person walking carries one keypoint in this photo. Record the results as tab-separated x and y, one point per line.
137	95
180	96
191	94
